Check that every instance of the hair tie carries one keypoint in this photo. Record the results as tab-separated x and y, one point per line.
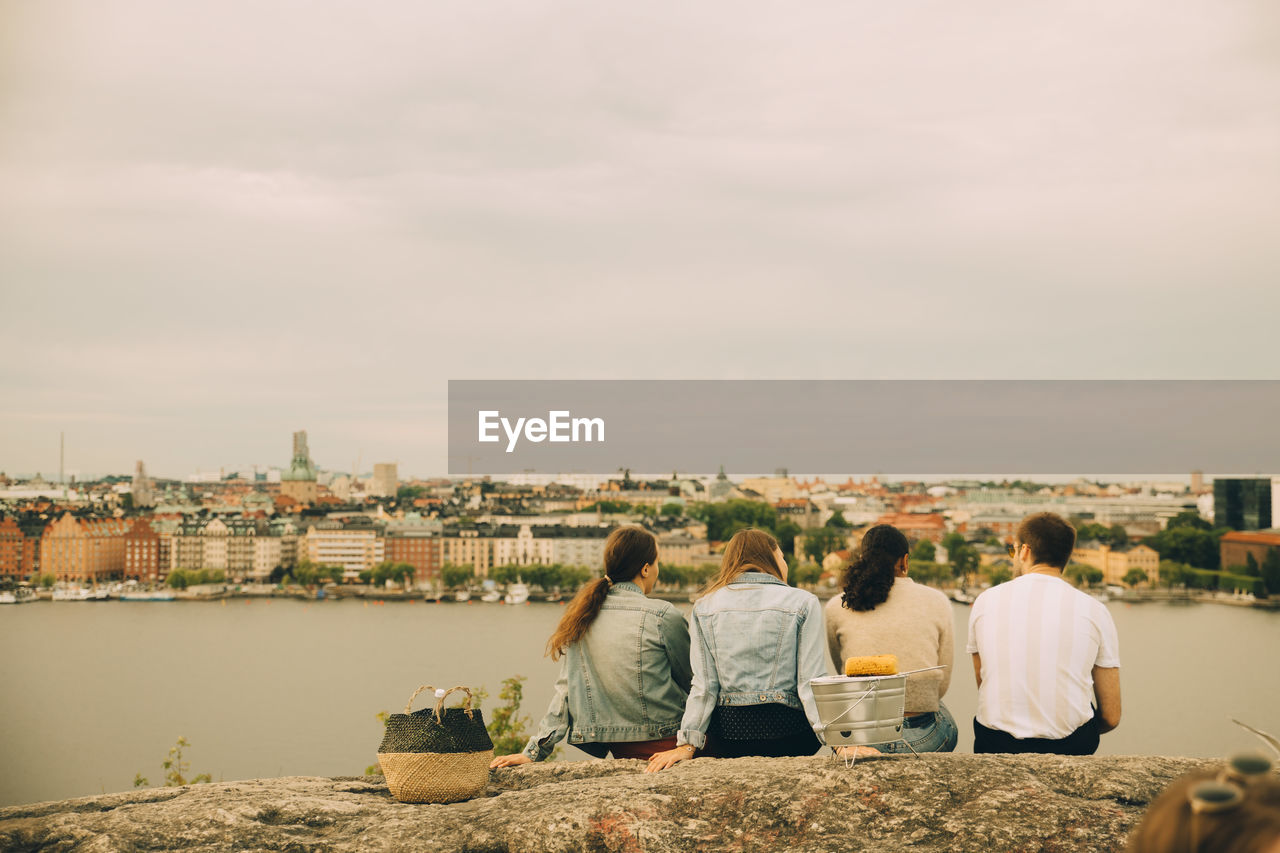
609	581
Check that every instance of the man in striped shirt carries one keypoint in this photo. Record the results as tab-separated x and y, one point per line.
1045	654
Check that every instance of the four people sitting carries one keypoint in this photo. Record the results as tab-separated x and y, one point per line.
637	681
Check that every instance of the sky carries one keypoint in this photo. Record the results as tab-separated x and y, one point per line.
222	222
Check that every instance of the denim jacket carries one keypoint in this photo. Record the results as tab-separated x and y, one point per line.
753	642
626	680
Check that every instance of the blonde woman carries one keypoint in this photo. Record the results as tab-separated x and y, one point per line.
755	643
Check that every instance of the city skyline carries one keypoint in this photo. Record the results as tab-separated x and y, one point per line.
226	223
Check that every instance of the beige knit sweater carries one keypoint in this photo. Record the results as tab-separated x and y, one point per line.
915	623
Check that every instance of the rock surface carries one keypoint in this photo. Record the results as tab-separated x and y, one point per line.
936	802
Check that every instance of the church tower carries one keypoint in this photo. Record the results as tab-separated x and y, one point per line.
299	482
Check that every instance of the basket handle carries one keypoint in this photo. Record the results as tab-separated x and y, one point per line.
466	705
409	704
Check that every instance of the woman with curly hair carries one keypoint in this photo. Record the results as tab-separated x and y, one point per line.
882	611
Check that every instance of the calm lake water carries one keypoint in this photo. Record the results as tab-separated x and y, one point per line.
96	692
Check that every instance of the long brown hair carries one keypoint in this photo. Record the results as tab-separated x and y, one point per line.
626	552
749	550
870	576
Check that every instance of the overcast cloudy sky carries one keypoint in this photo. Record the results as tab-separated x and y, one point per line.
220	222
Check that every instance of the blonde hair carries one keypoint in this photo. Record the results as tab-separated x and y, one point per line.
749	550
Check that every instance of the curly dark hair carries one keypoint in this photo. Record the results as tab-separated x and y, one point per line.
870	575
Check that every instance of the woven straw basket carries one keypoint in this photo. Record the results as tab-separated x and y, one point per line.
436	755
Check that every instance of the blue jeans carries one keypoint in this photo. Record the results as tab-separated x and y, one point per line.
940	735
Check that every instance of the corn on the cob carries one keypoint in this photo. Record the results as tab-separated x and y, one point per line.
872	665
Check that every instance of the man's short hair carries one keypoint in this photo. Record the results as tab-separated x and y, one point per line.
1050	538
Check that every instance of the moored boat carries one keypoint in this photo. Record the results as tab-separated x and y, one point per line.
517	593
72	593
148	595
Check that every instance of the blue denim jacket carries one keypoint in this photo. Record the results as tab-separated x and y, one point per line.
626	680
754	641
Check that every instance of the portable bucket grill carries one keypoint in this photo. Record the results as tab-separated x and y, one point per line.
862	710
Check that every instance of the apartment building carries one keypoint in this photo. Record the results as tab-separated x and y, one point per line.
354	543
484	546
417	543
244	548
1115	563
142	553
469	546
20	547
523	548
83	550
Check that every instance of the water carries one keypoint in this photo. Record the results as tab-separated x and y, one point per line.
96	692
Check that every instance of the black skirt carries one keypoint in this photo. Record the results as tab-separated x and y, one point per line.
770	729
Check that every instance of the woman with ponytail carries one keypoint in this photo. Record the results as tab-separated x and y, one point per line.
624	662
882	611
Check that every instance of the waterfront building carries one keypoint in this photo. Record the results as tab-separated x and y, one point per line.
522	549
20	536
142	553
83	550
469	545
1242	503
166	530
415	541
12	547
1115	563
243	548
354	543
275	545
1235	547
484	546
299	482
575	546
267	554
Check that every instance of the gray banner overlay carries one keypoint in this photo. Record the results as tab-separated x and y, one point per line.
865	426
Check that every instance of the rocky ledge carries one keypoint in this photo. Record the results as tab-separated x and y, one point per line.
936	802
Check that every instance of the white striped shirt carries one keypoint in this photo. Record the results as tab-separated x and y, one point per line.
1039	639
